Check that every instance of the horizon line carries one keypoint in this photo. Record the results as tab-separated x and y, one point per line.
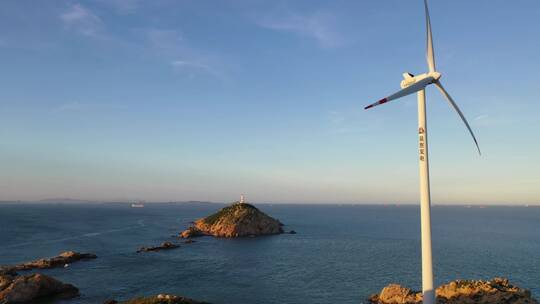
126	201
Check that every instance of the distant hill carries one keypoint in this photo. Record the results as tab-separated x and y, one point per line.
199	203
67	201
117	201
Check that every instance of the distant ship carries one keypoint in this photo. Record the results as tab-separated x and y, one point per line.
137	205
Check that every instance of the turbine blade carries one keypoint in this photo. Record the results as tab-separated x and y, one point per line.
403	92
430	53
454	105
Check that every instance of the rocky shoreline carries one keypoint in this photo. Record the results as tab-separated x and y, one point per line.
236	220
157	299
37	287
63	259
16	288
497	290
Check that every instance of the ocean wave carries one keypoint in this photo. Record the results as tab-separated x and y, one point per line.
80	236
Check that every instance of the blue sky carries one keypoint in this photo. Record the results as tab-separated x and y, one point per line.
203	100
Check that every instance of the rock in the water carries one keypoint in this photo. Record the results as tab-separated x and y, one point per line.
159	299
236	220
191	232
396	294
292	232
498	290
30	288
164	245
64	258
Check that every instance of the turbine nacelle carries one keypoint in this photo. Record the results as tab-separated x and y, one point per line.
410	79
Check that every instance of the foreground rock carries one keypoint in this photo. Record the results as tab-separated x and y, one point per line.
236	220
498	290
163	246
158	299
61	260
33	287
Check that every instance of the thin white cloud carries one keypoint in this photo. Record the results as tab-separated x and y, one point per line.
481	117
349	120
170	43
194	67
319	26
123	6
336	117
186	64
77	106
338	122
490	120
164	40
70	106
82	20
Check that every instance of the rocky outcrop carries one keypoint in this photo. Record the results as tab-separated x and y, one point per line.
498	290
61	260
191	232
158	299
33	287
163	246
236	220
396	294
16	288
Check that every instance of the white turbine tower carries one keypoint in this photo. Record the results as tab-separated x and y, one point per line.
412	84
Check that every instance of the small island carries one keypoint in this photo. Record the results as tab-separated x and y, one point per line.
163	246
237	220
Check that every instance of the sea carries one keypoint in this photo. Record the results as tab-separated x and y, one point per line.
340	253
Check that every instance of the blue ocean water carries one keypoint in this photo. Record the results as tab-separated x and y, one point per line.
341	253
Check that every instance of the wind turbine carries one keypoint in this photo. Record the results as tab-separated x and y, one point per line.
417	84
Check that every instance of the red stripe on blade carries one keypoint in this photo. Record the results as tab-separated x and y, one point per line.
377	103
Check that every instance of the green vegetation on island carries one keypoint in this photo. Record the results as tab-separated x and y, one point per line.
236	220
